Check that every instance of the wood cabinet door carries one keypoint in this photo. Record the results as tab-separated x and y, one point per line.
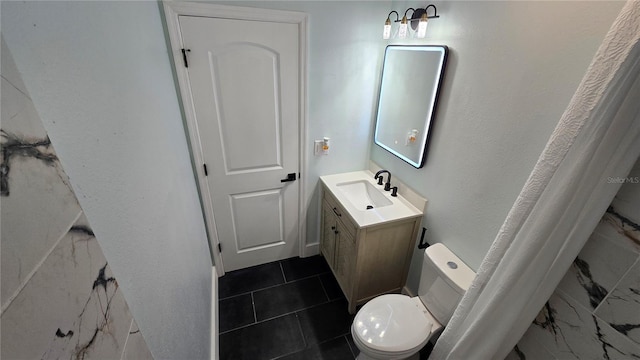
345	258
328	239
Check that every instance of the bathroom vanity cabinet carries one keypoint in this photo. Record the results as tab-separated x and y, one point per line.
367	260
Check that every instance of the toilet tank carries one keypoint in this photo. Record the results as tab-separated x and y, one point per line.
444	279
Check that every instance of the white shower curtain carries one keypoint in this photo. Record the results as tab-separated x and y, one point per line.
598	137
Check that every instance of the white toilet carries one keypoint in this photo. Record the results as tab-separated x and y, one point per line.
395	326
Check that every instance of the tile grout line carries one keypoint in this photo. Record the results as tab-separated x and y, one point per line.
282	271
37	266
318	345
16	87
304	308
126	341
353	351
253	307
323	288
615	286
250	291
281	315
272	286
304	338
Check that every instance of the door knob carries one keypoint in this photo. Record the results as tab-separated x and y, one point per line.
290	177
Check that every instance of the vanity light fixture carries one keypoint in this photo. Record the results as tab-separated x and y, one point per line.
387	25
418	20
402	32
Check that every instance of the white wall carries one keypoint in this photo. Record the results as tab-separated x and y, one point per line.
99	76
512	69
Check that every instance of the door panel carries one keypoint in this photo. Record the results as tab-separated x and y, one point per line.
259	65
258	219
244	82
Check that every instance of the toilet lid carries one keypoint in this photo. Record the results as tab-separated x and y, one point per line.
392	323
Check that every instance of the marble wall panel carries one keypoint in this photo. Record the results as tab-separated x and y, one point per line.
59	298
595	310
9	70
569	331
621	309
136	347
596	271
38	205
621	229
71	308
529	348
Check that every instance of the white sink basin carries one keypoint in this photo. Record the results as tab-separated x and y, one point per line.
363	195
355	190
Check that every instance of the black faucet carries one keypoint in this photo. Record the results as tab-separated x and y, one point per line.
379	177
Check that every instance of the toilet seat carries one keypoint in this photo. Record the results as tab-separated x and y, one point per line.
392	325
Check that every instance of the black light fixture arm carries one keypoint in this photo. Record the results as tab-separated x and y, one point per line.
418	21
435	11
397	16
406	11
417	13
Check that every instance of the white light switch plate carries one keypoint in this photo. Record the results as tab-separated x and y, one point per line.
317	147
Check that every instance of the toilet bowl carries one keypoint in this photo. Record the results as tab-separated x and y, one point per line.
392	327
395	326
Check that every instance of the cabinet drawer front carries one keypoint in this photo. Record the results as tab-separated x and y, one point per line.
340	212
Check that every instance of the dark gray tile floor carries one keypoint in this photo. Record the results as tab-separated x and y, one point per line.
289	309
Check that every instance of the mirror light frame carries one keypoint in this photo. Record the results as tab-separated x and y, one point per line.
444	50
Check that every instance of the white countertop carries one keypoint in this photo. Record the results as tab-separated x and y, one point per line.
400	209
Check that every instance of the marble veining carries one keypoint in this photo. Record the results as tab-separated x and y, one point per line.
623	225
547	320
81	229
621	308
519	353
595	291
94	319
136	348
13	146
576	333
595	311
606	346
71	308
59	298
625	328
101	282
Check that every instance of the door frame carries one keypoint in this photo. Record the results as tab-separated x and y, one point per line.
172	11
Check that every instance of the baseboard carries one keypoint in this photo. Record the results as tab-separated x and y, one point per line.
214	315
311	249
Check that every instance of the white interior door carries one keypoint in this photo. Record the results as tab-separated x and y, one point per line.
244	83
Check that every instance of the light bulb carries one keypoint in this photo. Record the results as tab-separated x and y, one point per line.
387	29
422	26
402	32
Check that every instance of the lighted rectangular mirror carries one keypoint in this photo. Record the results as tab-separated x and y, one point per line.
411	80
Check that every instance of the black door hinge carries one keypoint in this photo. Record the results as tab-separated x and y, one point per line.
184	57
219	247
206	173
